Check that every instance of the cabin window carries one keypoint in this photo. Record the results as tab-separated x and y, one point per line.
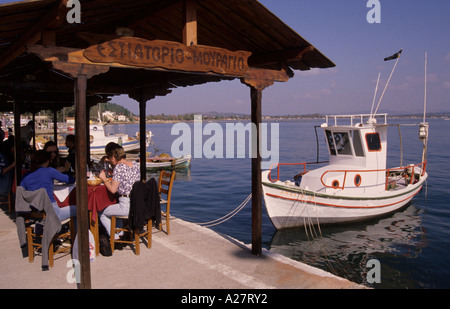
357	180
330	142
340	142
373	141
357	145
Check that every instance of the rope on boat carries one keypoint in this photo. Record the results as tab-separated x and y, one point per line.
227	216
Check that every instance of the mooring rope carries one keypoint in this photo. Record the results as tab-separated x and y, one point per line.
227	216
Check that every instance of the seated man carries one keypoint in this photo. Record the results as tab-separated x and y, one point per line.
42	176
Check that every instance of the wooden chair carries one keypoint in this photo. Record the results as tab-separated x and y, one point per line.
34	240
138	192
135	234
165	184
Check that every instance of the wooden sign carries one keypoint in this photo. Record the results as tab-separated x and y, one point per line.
139	52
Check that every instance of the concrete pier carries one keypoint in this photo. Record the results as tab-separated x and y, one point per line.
191	257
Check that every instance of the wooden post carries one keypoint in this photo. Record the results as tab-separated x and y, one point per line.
258	80
55	126
34	130
256	97
142	136
81	181
17	137
190	22
88	132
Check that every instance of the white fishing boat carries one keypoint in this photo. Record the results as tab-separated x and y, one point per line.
168	162
354	185
98	140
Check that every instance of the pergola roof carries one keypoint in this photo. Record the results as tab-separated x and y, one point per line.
230	24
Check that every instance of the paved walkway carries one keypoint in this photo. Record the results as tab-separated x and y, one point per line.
192	257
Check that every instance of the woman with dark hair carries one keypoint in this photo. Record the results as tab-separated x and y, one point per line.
125	174
42	176
55	161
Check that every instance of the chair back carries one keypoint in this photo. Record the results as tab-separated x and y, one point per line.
165	185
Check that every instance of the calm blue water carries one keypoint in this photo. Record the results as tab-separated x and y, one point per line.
412	245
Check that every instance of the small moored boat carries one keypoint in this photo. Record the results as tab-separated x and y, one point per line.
354	185
168	162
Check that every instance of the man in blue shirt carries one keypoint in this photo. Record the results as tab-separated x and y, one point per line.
42	176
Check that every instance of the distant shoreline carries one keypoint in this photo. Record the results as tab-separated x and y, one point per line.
272	118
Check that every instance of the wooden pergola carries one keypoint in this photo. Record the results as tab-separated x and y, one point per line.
144	49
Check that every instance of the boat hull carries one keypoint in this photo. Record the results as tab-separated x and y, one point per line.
289	206
182	162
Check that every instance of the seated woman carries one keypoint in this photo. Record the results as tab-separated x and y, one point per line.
55	161
42	176
125	174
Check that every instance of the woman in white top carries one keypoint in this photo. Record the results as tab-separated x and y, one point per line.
125	174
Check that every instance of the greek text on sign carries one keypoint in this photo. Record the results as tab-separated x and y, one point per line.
169	55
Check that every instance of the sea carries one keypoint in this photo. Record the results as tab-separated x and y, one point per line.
411	247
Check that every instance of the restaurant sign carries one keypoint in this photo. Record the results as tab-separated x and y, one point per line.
169	55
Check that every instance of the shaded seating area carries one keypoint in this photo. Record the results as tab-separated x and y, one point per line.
141	49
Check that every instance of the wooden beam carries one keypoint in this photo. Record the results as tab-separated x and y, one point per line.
81	181
280	57
190	22
262	78
33	34
157	55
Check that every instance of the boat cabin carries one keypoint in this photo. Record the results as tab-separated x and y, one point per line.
357	155
361	144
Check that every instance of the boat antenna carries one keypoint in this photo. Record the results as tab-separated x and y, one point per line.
425	95
394	56
374	95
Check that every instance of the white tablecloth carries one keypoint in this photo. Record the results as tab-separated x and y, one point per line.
62	191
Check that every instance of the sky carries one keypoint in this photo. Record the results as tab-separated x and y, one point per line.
341	31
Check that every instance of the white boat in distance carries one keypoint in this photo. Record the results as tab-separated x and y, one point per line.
355	185
98	140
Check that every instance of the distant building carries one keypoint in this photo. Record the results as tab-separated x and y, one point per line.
122	118
108	116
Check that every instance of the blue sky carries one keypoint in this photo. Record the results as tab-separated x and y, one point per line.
340	30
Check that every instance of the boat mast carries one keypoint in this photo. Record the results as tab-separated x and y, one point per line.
425	95
423	130
375	95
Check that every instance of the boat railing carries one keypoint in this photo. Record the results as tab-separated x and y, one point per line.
407	171
289	164
355	118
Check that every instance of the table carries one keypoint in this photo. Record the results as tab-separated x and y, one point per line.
98	199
